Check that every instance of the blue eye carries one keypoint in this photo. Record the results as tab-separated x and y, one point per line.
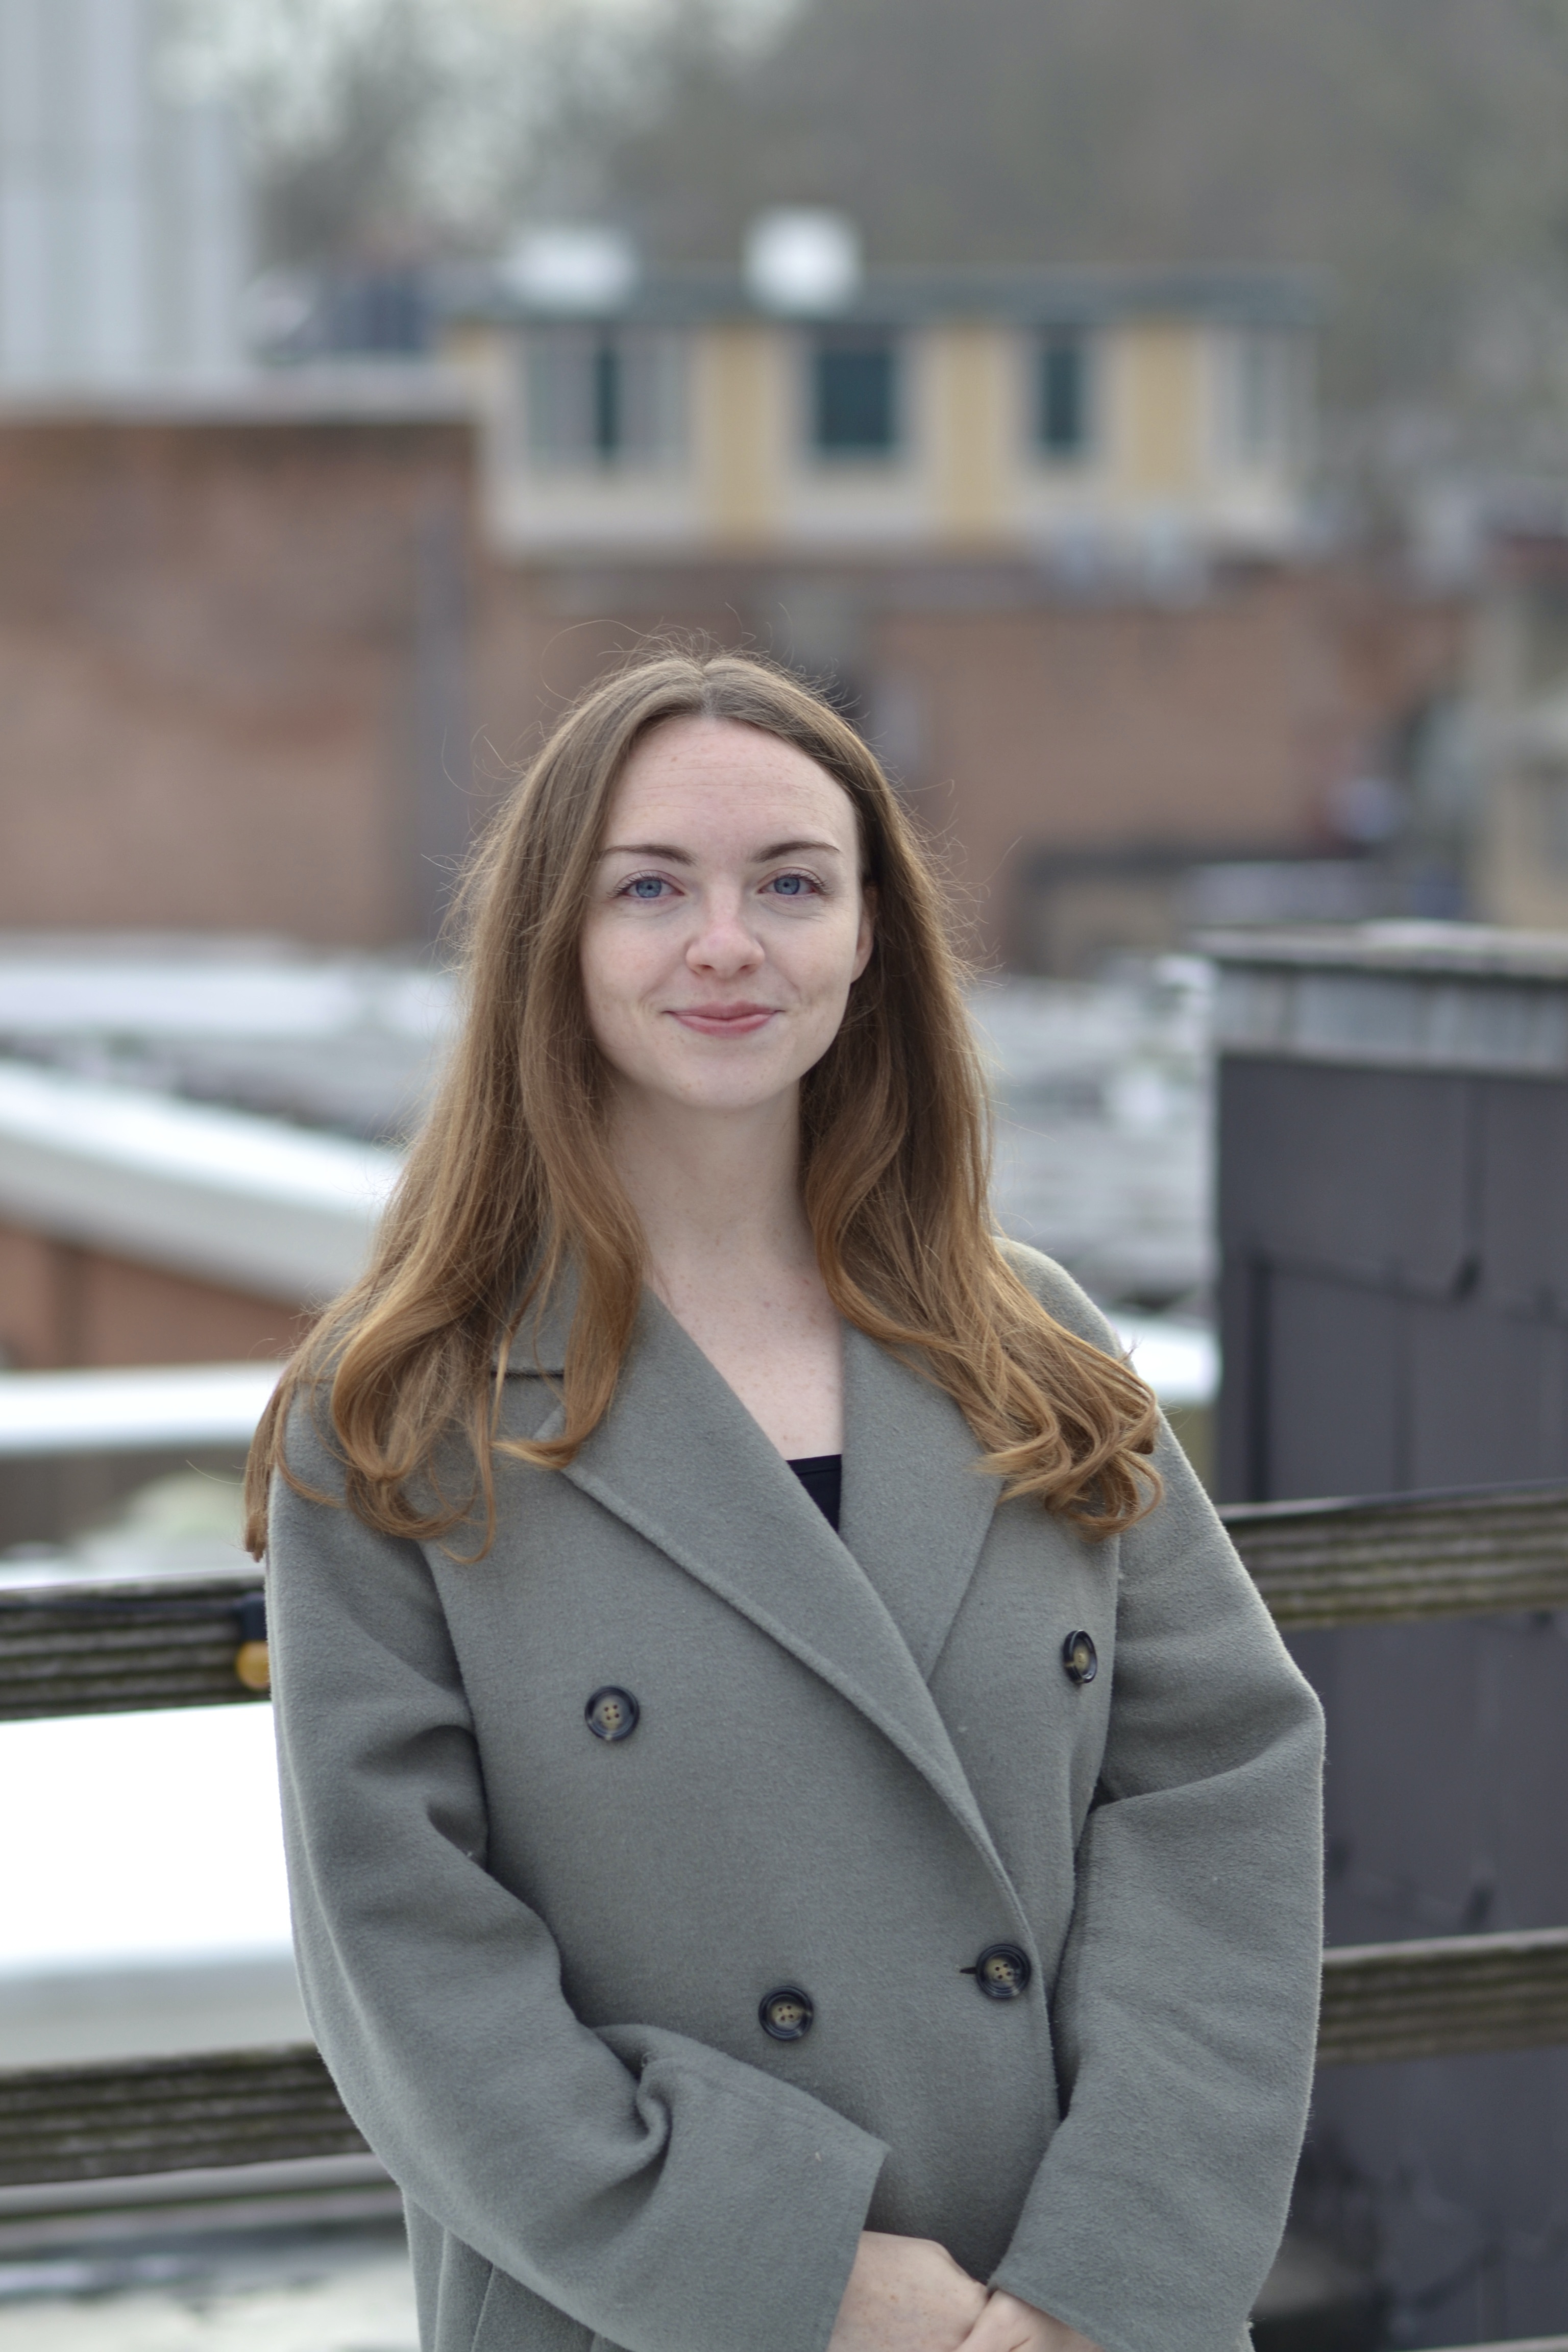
791	886
645	885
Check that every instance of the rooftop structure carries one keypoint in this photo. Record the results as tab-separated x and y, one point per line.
802	402
279	1084
1398	995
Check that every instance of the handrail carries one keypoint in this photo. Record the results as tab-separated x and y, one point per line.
1463	1552
1442	1996
105	1648
116	2118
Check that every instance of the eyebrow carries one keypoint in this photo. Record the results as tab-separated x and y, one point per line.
673	857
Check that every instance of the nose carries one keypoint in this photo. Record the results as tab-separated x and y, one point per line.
724	941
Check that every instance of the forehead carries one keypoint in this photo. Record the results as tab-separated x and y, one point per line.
701	769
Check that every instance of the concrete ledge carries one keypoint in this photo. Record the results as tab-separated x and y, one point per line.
247	1201
1409	996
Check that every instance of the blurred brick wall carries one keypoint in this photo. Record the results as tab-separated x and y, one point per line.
209	672
64	1308
1217	727
264	675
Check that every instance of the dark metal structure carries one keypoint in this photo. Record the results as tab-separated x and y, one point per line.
1393	1175
1393	1230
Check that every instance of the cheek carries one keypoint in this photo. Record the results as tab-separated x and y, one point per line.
828	959
606	981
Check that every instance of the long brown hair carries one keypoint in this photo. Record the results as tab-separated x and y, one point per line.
509	1183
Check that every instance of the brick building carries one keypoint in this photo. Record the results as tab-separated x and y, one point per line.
266	653
232	644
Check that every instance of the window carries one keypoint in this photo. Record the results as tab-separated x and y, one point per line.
854	396
1064	421
604	397
1261	398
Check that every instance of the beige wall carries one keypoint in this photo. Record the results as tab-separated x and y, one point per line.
976	420
741	431
1160	427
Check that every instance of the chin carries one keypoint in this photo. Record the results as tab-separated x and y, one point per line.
732	1089
732	1099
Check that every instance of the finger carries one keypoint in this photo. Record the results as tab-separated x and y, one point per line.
1007	2325
982	2337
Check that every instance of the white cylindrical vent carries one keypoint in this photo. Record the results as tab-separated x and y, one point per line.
802	260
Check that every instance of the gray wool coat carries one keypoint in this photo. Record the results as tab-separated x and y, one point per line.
537	1958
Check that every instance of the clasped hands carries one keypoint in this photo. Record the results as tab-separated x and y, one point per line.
908	2294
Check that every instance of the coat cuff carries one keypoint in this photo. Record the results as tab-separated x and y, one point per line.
782	2183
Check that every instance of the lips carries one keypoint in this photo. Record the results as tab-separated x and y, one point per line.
724	1019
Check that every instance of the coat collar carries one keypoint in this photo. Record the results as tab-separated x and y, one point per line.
679	1458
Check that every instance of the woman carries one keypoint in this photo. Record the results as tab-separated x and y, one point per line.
802	1834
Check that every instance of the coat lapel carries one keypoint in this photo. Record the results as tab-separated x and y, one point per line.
916	1511
680	1458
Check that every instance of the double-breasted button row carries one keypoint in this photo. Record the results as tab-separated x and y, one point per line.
1003	1972
611	1713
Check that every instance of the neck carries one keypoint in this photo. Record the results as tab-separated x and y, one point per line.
714	1191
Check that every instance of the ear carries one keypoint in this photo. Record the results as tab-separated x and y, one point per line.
867	936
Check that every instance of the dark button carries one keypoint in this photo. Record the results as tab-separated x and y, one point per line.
612	1713
1001	1971
785	2013
1079	1658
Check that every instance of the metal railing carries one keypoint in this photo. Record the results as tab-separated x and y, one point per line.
111	1649
97	1648
130	2115
108	1648
1470	1552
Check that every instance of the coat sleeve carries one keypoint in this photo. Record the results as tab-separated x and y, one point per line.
664	2195
1185	2006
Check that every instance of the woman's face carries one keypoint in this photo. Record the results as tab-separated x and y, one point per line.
726	921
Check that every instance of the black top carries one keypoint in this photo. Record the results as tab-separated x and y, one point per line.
822	1475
